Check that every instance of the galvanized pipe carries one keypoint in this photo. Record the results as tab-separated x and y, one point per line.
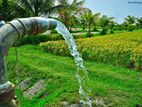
15	30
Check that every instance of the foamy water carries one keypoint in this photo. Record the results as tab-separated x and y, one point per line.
81	74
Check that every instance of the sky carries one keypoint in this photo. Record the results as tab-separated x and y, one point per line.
116	8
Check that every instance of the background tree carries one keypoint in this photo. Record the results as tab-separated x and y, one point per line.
10	9
89	18
82	21
111	26
82	18
105	23
96	21
73	22
39	7
69	11
139	22
130	21
124	26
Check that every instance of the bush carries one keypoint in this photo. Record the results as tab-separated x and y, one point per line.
89	35
36	39
123	49
77	31
32	39
131	27
103	32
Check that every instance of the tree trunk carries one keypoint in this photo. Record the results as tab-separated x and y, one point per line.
5	3
95	28
83	27
70	28
89	29
36	8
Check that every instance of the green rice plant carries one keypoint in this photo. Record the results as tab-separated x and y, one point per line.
137	57
123	49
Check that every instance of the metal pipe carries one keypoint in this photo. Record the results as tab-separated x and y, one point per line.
13	31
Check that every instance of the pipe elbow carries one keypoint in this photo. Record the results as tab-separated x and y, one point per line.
15	30
44	24
52	23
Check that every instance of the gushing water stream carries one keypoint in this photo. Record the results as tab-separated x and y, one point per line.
81	74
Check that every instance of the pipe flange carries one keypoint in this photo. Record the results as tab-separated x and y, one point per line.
22	23
16	28
37	29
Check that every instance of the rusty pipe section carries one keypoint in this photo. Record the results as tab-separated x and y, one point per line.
15	30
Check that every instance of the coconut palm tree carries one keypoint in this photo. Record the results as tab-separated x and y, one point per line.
88	18
105	23
82	22
69	11
4	5
10	9
37	7
130	20
111	26
139	22
96	21
82	19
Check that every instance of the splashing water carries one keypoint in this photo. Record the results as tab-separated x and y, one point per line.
82	74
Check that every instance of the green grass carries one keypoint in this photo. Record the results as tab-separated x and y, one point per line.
118	87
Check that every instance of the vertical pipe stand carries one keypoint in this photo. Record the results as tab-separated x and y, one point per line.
7	96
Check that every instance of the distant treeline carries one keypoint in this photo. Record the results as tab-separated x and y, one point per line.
72	14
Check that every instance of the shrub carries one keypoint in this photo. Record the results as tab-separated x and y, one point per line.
36	39
131	27
89	35
123	49
32	39
77	31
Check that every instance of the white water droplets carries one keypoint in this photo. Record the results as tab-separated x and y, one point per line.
82	74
